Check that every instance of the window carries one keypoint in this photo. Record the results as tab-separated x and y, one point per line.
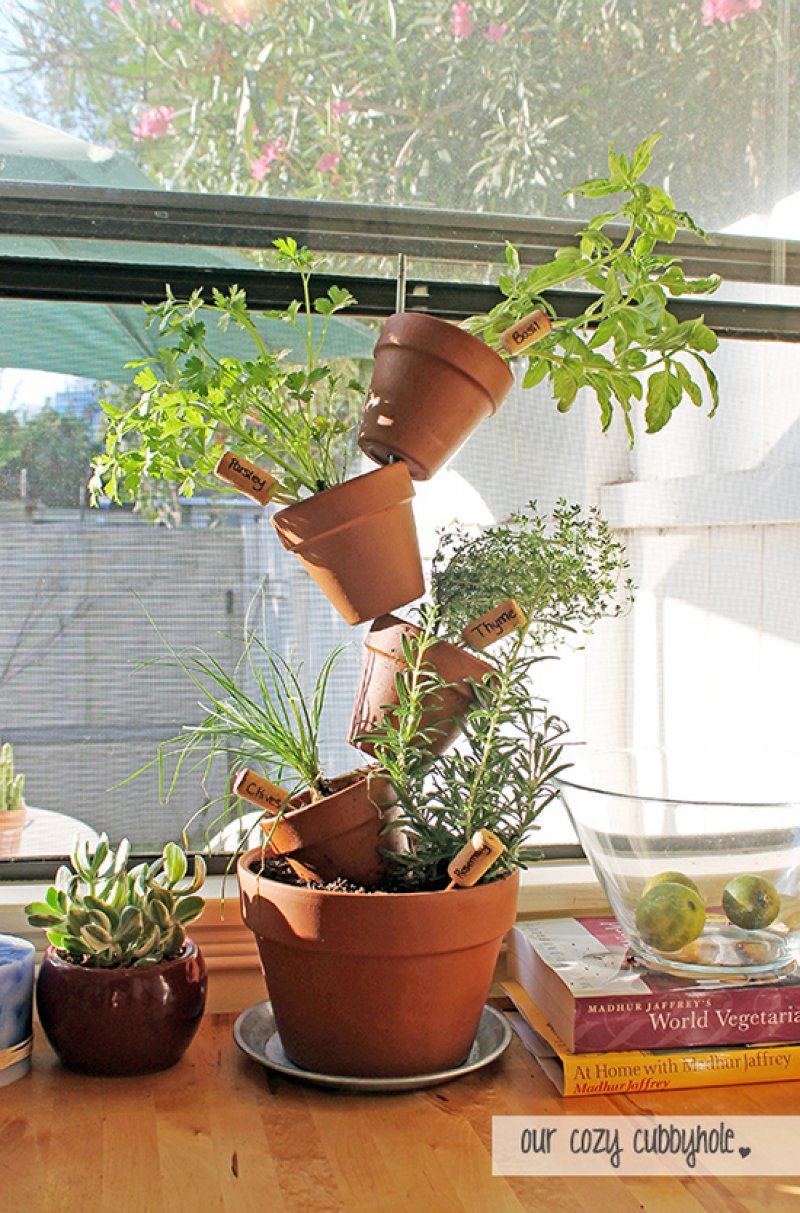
171	142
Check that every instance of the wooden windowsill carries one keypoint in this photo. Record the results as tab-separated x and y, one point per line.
235	981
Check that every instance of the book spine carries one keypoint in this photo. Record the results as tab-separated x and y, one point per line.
704	1018
617	1073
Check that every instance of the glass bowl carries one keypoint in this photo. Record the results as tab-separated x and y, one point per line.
709	819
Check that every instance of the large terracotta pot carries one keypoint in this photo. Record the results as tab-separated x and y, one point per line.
121	1021
432	383
358	541
376	984
378	687
337	835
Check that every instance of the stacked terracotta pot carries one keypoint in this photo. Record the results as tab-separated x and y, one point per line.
386	984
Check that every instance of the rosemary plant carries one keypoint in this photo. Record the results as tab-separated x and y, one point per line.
498	777
565	573
626	343
296	422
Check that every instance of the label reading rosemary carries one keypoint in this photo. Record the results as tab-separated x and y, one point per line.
246	477
495	624
475	858
258	790
534	326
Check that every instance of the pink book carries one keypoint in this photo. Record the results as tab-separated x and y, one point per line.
598	999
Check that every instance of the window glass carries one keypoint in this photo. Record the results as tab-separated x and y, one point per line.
471	106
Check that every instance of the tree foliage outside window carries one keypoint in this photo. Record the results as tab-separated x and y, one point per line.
477	106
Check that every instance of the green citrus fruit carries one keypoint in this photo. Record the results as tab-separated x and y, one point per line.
750	902
670	915
671	878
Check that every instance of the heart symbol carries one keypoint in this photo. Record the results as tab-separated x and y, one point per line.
744	1151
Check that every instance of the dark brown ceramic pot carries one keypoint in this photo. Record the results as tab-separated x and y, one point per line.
432	384
121	1021
376	984
358	541
337	835
378	687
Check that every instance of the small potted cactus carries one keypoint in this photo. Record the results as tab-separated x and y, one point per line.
121	989
13	810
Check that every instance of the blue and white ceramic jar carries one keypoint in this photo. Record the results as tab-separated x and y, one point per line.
17	961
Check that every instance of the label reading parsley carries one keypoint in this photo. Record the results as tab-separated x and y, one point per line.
499	622
534	326
258	790
246	477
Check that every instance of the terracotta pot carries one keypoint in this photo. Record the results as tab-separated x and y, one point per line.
12	824
378	687
358	541
121	1021
432	383
376	984
338	835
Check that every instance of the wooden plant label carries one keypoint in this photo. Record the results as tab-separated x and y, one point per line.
246	477
258	790
474	859
522	334
495	624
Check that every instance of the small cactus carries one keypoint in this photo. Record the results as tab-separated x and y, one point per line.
103	916
11	786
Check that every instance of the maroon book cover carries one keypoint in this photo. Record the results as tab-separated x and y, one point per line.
580	973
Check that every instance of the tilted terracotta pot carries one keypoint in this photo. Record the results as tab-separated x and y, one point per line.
378	687
358	541
337	835
121	1021
432	384
376	984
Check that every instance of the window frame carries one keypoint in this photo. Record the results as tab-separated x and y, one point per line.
405	233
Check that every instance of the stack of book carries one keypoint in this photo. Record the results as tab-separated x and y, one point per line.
599	1023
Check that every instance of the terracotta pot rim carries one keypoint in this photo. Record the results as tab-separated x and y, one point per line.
121	972
458	651
472	344
311	505
472	893
307	824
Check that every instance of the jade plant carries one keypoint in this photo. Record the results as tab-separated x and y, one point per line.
102	915
296	422
625	345
12	787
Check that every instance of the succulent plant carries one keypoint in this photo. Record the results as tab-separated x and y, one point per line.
11	786
103	916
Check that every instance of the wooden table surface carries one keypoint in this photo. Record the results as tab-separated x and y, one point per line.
220	1134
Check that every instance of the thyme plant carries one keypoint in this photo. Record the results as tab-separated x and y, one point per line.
626	344
297	422
566	571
